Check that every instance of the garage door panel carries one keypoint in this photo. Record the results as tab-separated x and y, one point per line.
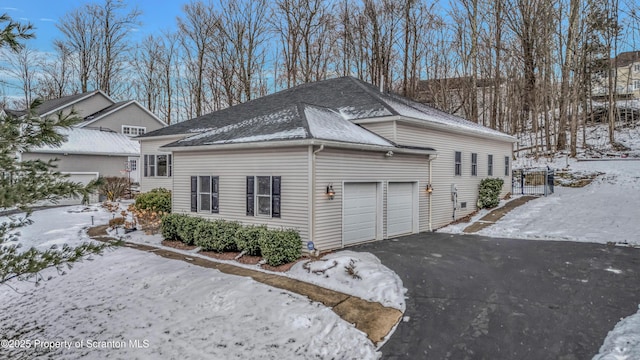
360	206
400	209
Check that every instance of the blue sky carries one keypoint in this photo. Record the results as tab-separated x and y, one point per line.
44	14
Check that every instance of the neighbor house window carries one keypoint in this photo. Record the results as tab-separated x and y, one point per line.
474	164
205	194
133	130
490	165
506	166
263	196
158	165
636	84
636	68
458	163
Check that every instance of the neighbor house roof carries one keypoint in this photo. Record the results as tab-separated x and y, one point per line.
53	105
88	120
320	110
89	141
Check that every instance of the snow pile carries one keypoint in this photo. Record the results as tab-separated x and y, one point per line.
358	274
623	342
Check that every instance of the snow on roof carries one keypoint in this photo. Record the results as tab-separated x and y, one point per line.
279	125
93	142
329	125
422	112
297	133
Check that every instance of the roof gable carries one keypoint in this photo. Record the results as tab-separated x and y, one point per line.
54	105
88	120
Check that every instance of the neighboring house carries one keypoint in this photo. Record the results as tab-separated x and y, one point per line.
626	69
337	160
101	144
454	95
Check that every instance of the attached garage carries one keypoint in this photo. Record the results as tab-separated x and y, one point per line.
360	215
400	208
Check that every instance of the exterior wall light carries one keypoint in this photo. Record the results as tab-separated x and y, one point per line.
330	192
429	189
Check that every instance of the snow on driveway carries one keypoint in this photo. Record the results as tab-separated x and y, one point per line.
132	304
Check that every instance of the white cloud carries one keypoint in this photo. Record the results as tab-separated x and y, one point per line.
47	19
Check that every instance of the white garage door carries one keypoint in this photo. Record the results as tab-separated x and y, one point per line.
84	179
399	209
360	212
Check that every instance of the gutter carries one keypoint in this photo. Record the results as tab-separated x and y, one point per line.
299	142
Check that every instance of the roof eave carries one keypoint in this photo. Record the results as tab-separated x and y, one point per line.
63	152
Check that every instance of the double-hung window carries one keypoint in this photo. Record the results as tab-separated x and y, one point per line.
205	194
474	164
263	196
158	165
458	163
490	165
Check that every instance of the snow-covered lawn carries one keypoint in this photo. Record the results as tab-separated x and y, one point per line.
604	211
177	310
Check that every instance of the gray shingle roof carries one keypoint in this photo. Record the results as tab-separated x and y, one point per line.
284	116
53	104
106	110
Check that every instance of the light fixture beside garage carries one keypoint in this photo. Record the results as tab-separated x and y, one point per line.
330	192
429	188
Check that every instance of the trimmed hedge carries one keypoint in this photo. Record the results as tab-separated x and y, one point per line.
170	225
217	235
187	229
489	196
280	246
158	199
247	239
276	246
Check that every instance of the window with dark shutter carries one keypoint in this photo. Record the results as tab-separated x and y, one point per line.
146	165
250	196
194	193
215	203
275	196
170	165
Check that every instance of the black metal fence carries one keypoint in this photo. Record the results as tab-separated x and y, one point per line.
532	181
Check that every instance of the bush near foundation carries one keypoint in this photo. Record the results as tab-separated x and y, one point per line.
247	239
489	196
217	235
280	246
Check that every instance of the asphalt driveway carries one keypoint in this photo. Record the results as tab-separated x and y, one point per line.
474	297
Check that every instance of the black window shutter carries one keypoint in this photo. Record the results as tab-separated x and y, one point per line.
146	165
214	194
169	165
250	200
194	193
275	196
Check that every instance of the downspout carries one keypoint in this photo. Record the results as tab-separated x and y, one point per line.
312	190
431	194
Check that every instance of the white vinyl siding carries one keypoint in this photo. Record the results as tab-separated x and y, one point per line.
233	167
446	144
152	146
339	166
